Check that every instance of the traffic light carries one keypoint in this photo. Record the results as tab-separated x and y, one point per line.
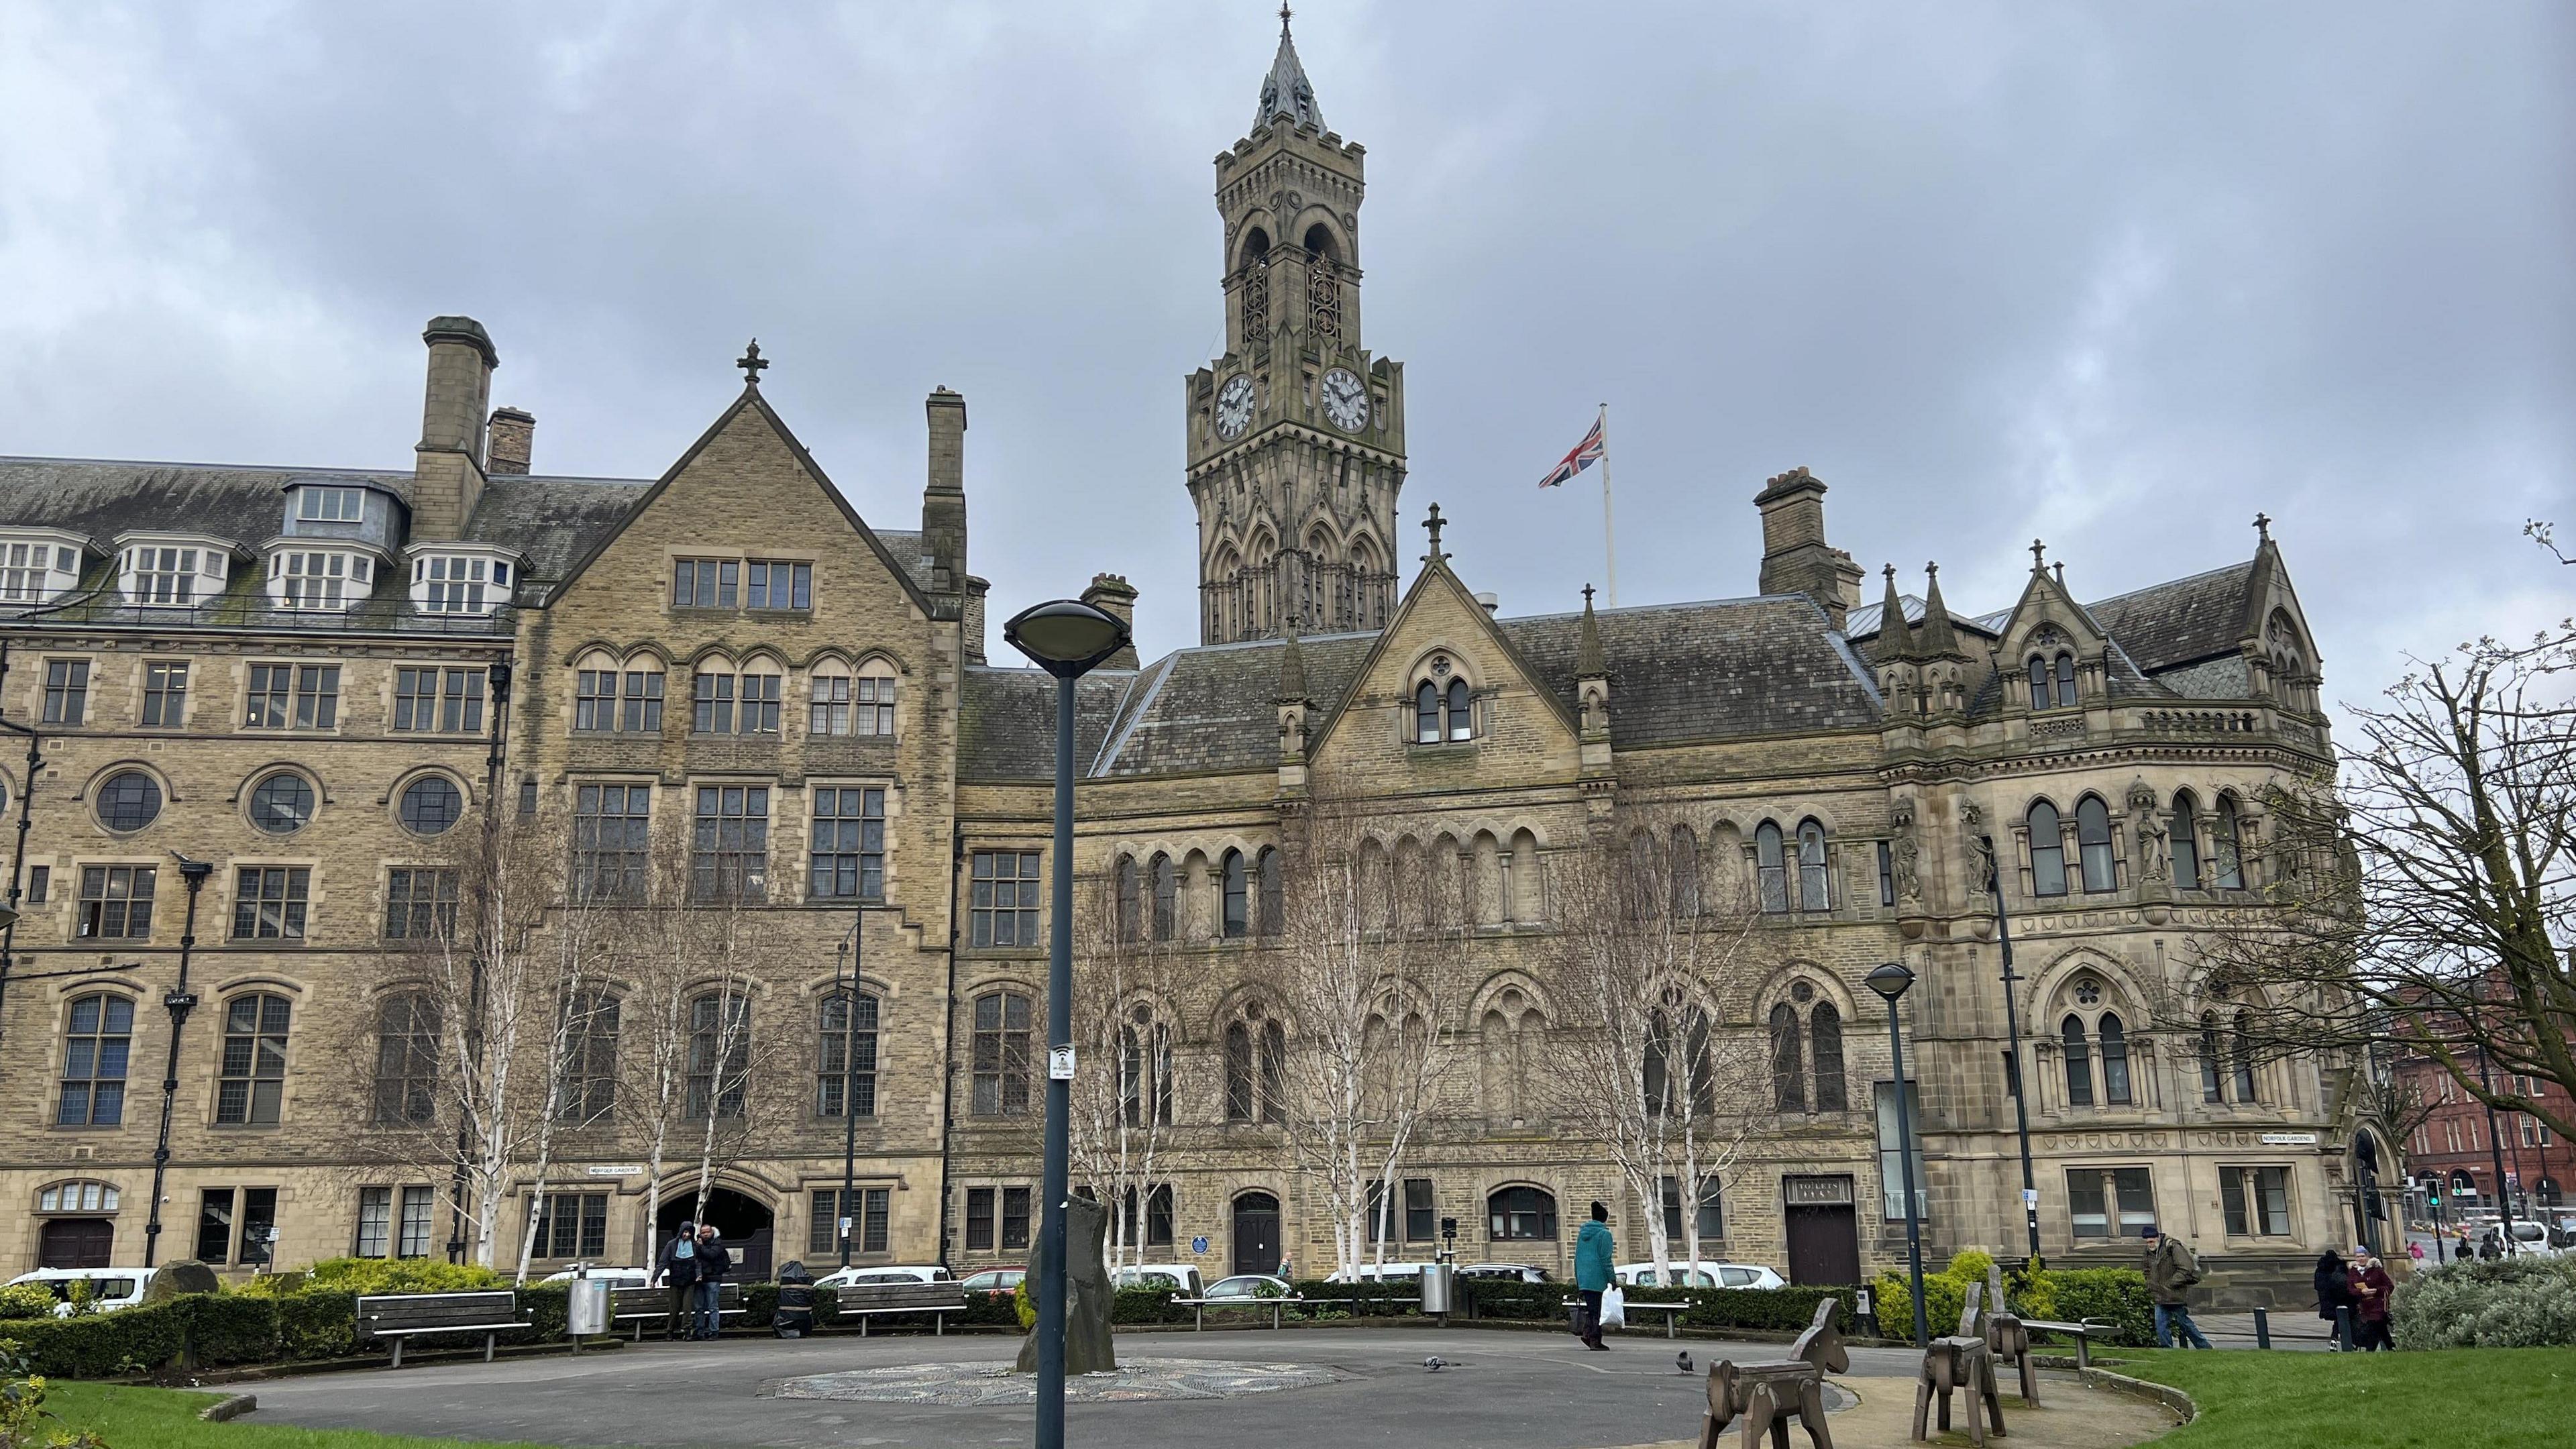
2433	1190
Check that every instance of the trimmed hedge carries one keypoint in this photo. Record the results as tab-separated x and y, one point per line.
103	1345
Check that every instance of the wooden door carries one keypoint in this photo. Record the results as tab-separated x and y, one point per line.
1256	1233
1824	1244
77	1243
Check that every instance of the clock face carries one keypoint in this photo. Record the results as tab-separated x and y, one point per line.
1234	407
1346	403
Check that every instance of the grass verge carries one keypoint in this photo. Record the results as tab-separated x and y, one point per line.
131	1418
2462	1398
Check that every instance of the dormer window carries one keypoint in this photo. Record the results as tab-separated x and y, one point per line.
34	571
443	583
177	575
331	505
1443	706
2061	674
313	579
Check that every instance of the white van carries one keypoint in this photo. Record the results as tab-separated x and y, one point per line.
1181	1278
110	1288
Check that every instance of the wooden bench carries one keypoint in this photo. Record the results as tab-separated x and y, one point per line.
643	1305
1672	1312
2083	1333
864	1301
400	1316
1200	1306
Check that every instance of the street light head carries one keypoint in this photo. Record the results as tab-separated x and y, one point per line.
1065	637
193	871
8	918
1891	980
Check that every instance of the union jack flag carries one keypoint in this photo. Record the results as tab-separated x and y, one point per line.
1585	454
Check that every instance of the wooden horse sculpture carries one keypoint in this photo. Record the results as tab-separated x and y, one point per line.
1963	1362
1769	1395
2007	1339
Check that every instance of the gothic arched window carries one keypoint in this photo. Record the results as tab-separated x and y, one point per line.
1144	1068
1813	894
1256	1067
1131	903
2065	681
1684	863
1770	866
2242	1052
2079	1063
2114	1039
2093	841
1167	897
2038	682
2226	860
1272	900
1238	896
1825	1034
1462	723
2209	1081
1426	714
719	1054
1788	1071
2047	851
2186	841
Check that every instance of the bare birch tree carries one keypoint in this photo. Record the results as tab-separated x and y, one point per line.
1124	983
1648	955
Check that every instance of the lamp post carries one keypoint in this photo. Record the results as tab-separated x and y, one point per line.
180	1001
1891	981
2012	1052
849	987
18	860
1067	639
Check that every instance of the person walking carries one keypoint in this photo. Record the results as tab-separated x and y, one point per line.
1595	1251
677	1270
2371	1287
2415	1252
2334	1294
2171	1271
713	1263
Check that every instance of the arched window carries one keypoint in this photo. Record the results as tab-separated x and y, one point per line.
1462	723
1131	903
1770	867
1001	1055
1426	714
2115	1059
2209	1083
2186	841
845	1059
1520	1214
1256	1067
1511	1044
2241	1052
1677	1059
1788	1068
1812	892
2093	840
97	1039
406	1060
1144	1068
2039	698
2079	1064
1167	897
251	1086
2227	868
2047	851
1684	863
590	1058
2065	681
1825	1033
1238	896
719	1054
827	709
872	708
1271	904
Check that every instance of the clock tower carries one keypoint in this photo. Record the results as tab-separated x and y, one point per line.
1296	434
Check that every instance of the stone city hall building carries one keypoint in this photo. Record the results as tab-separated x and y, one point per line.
295	675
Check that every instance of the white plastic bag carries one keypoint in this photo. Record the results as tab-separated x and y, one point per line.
1614	1307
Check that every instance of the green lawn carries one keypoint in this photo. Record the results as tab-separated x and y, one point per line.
164	1419
2461	1398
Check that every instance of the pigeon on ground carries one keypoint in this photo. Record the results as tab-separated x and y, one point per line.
1683	1363
1435	1363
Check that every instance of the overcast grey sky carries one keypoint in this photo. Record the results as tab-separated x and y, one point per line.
2116	275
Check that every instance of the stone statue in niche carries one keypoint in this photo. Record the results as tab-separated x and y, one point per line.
1906	853
2154	864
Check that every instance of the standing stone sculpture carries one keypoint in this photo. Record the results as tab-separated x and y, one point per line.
1769	1395
1087	1294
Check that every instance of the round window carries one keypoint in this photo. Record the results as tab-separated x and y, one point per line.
431	804
282	804
2088	992
1803	992
129	801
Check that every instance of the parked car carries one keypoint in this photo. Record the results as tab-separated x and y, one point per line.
931	1273
1704	1274
617	1277
1249	1285
1509	1272
109	1288
994	1282
1382	1273
1181	1278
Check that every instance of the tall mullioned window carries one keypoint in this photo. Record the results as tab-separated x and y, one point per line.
848	844
165	695
1003	906
98	1036
447	701
269	902
66	691
729	844
611	834
845	1062
250	1088
1001	1060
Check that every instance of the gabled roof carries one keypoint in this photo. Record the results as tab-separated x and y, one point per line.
2181	622
1437	575
103	498
1006	721
551	521
1215	707
1681	672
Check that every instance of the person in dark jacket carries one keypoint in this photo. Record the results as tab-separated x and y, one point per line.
676	1269
2334	1291
713	1263
1595	1257
2371	1287
2171	1270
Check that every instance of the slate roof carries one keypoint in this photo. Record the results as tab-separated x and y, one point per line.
1006	720
1762	665
103	498
909	551
552	522
1861	625
2181	622
1216	707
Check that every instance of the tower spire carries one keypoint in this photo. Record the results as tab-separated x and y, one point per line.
1895	639
1937	639
1285	93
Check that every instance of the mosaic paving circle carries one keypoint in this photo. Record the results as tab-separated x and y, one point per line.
980	1385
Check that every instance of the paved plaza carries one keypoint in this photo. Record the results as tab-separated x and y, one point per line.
1348	1387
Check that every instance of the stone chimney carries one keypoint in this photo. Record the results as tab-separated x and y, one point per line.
970	619
512	436
1795	557
1111	594
447	467
943	499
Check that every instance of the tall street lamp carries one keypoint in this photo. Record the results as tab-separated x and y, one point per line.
849	989
1891	981
2012	1052
180	1001
1067	639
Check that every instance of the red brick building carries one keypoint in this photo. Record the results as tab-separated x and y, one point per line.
2455	1144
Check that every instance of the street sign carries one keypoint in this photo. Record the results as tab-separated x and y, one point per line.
615	1169
1198	1245
1060	1064
2030	1197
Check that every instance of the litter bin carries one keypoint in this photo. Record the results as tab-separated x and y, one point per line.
794	1317
1439	1286
587	1311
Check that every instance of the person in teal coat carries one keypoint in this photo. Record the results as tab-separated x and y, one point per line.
1595	1251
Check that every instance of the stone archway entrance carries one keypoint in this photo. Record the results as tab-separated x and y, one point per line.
743	1224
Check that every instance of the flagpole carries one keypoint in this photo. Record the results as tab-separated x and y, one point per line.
1609	549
